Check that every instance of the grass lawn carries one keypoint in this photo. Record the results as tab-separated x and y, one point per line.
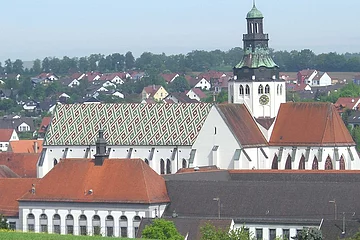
42	236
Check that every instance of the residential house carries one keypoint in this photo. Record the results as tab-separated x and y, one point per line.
351	103
200	82
77	76
30	106
50	76
354	119
8	93
196	93
7	135
134	75
48	105
45	122
23	164
169	77
314	78
92	76
298	87
118	94
356	79
21	124
26	146
70	82
115	78
156	92
179	98
104	83
6	76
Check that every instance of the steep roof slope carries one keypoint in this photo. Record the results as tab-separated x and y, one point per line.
242	124
117	181
5	135
6	172
127	124
10	190
315	124
26	146
23	164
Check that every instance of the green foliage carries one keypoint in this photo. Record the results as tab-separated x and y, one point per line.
219	98
308	234
161	229
210	232
3	222
349	90
180	84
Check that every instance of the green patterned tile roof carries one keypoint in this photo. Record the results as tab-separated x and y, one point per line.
127	124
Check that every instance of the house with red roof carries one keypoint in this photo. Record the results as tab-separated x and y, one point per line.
115	78
196	93
169	77
49	76
7	135
92	76
200	82
23	164
77	76
313	78
156	92
351	103
43	126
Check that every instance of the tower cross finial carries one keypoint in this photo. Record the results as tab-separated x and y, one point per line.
254	3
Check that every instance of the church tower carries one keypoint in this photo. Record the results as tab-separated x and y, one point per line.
256	78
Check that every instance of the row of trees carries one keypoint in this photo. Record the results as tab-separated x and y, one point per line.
195	61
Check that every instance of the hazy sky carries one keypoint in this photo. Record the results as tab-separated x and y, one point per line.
38	28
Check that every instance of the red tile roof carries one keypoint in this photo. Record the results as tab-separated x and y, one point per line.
23	164
117	180
168	77
5	134
10	190
347	102
242	124
44	124
198	92
211	75
152	89
76	75
111	76
309	124
91	75
306	72
25	146
6	172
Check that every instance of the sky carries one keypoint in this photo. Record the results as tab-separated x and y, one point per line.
56	28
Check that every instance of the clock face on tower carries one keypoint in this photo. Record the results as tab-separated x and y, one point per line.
264	99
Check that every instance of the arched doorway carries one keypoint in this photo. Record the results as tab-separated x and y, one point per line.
168	166
184	163
162	166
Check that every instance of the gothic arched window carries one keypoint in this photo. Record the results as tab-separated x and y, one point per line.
288	162
261	89
184	163
302	162
315	164
328	164
241	90
162	166
267	88
275	164
281	89
247	90
342	163
278	89
168	166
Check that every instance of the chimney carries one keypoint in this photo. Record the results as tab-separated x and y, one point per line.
154	86
101	152
352	100
35	146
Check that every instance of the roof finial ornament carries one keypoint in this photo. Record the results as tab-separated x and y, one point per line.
254	5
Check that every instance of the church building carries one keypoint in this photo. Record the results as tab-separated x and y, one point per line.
257	129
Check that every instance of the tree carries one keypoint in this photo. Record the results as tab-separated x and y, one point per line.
18	66
3	222
36	68
161	229
129	61
46	65
180	84
308	234
8	66
210	232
